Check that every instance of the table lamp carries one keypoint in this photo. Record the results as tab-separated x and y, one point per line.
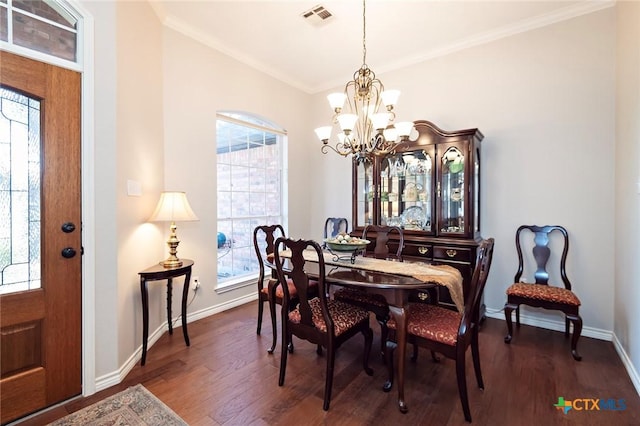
173	207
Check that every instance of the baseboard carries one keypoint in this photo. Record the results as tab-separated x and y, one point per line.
116	377
626	361
547	324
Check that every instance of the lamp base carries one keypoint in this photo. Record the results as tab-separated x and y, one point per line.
171	263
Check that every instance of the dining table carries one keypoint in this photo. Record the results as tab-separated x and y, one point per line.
394	281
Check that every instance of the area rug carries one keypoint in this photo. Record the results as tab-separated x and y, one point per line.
135	406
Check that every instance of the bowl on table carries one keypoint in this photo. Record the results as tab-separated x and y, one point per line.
346	244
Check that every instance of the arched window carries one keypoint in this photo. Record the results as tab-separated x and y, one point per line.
250	192
50	27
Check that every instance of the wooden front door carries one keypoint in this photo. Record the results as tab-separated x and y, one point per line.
40	236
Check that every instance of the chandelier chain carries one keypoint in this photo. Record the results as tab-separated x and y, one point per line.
364	32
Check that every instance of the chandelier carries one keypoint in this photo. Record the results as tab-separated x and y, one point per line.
367	124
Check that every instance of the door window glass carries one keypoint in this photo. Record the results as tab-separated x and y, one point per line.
19	192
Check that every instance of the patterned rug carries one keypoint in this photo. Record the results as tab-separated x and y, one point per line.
135	406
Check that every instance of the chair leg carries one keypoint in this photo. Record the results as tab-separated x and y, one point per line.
389	348
368	341
577	329
272	310
414	355
286	338
331	356
260	310
566	326
462	387
475	354
508	309
384	335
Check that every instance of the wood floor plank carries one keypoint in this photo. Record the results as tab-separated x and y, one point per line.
226	377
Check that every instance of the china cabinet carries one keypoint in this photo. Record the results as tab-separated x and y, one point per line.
430	186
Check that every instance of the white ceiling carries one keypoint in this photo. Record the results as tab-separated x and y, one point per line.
273	37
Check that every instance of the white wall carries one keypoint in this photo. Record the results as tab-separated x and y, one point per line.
198	81
627	185
545	101
140	156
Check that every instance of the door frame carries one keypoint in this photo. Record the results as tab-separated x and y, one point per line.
84	66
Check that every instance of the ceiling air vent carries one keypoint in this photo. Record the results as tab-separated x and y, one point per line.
317	15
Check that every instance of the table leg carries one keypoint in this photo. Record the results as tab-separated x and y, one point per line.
399	315
169	296
145	318
185	296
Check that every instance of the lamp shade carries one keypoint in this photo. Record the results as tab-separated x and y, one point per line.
324	133
173	207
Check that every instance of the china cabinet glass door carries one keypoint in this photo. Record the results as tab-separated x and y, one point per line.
451	190
365	193
407	188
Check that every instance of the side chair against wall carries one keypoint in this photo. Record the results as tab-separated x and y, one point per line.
541	294
449	332
264	237
374	302
316	318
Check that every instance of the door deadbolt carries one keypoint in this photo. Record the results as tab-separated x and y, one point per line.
68	227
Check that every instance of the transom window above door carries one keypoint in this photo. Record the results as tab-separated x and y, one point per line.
46	26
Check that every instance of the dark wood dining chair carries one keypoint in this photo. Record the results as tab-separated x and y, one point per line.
315	318
264	237
334	226
540	293
375	303
449	332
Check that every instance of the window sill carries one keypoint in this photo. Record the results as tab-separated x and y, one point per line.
236	284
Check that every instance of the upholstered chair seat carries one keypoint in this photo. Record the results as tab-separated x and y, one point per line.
544	292
344	316
431	322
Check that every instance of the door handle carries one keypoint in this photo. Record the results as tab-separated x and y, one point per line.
68	252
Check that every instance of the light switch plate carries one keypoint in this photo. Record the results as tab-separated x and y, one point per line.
134	188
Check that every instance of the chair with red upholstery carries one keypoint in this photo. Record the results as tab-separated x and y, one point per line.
374	302
264	237
540	293
449	332
314	317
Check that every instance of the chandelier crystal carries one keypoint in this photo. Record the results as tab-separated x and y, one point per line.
367	123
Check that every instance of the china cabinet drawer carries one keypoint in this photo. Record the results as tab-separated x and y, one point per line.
452	253
421	251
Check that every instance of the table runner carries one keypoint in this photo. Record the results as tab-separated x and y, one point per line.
443	275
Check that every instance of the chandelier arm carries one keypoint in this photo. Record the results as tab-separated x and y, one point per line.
339	149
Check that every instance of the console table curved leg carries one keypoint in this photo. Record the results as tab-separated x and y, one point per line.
169	302
145	318
185	296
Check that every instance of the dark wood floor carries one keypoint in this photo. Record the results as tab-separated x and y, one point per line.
226	377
